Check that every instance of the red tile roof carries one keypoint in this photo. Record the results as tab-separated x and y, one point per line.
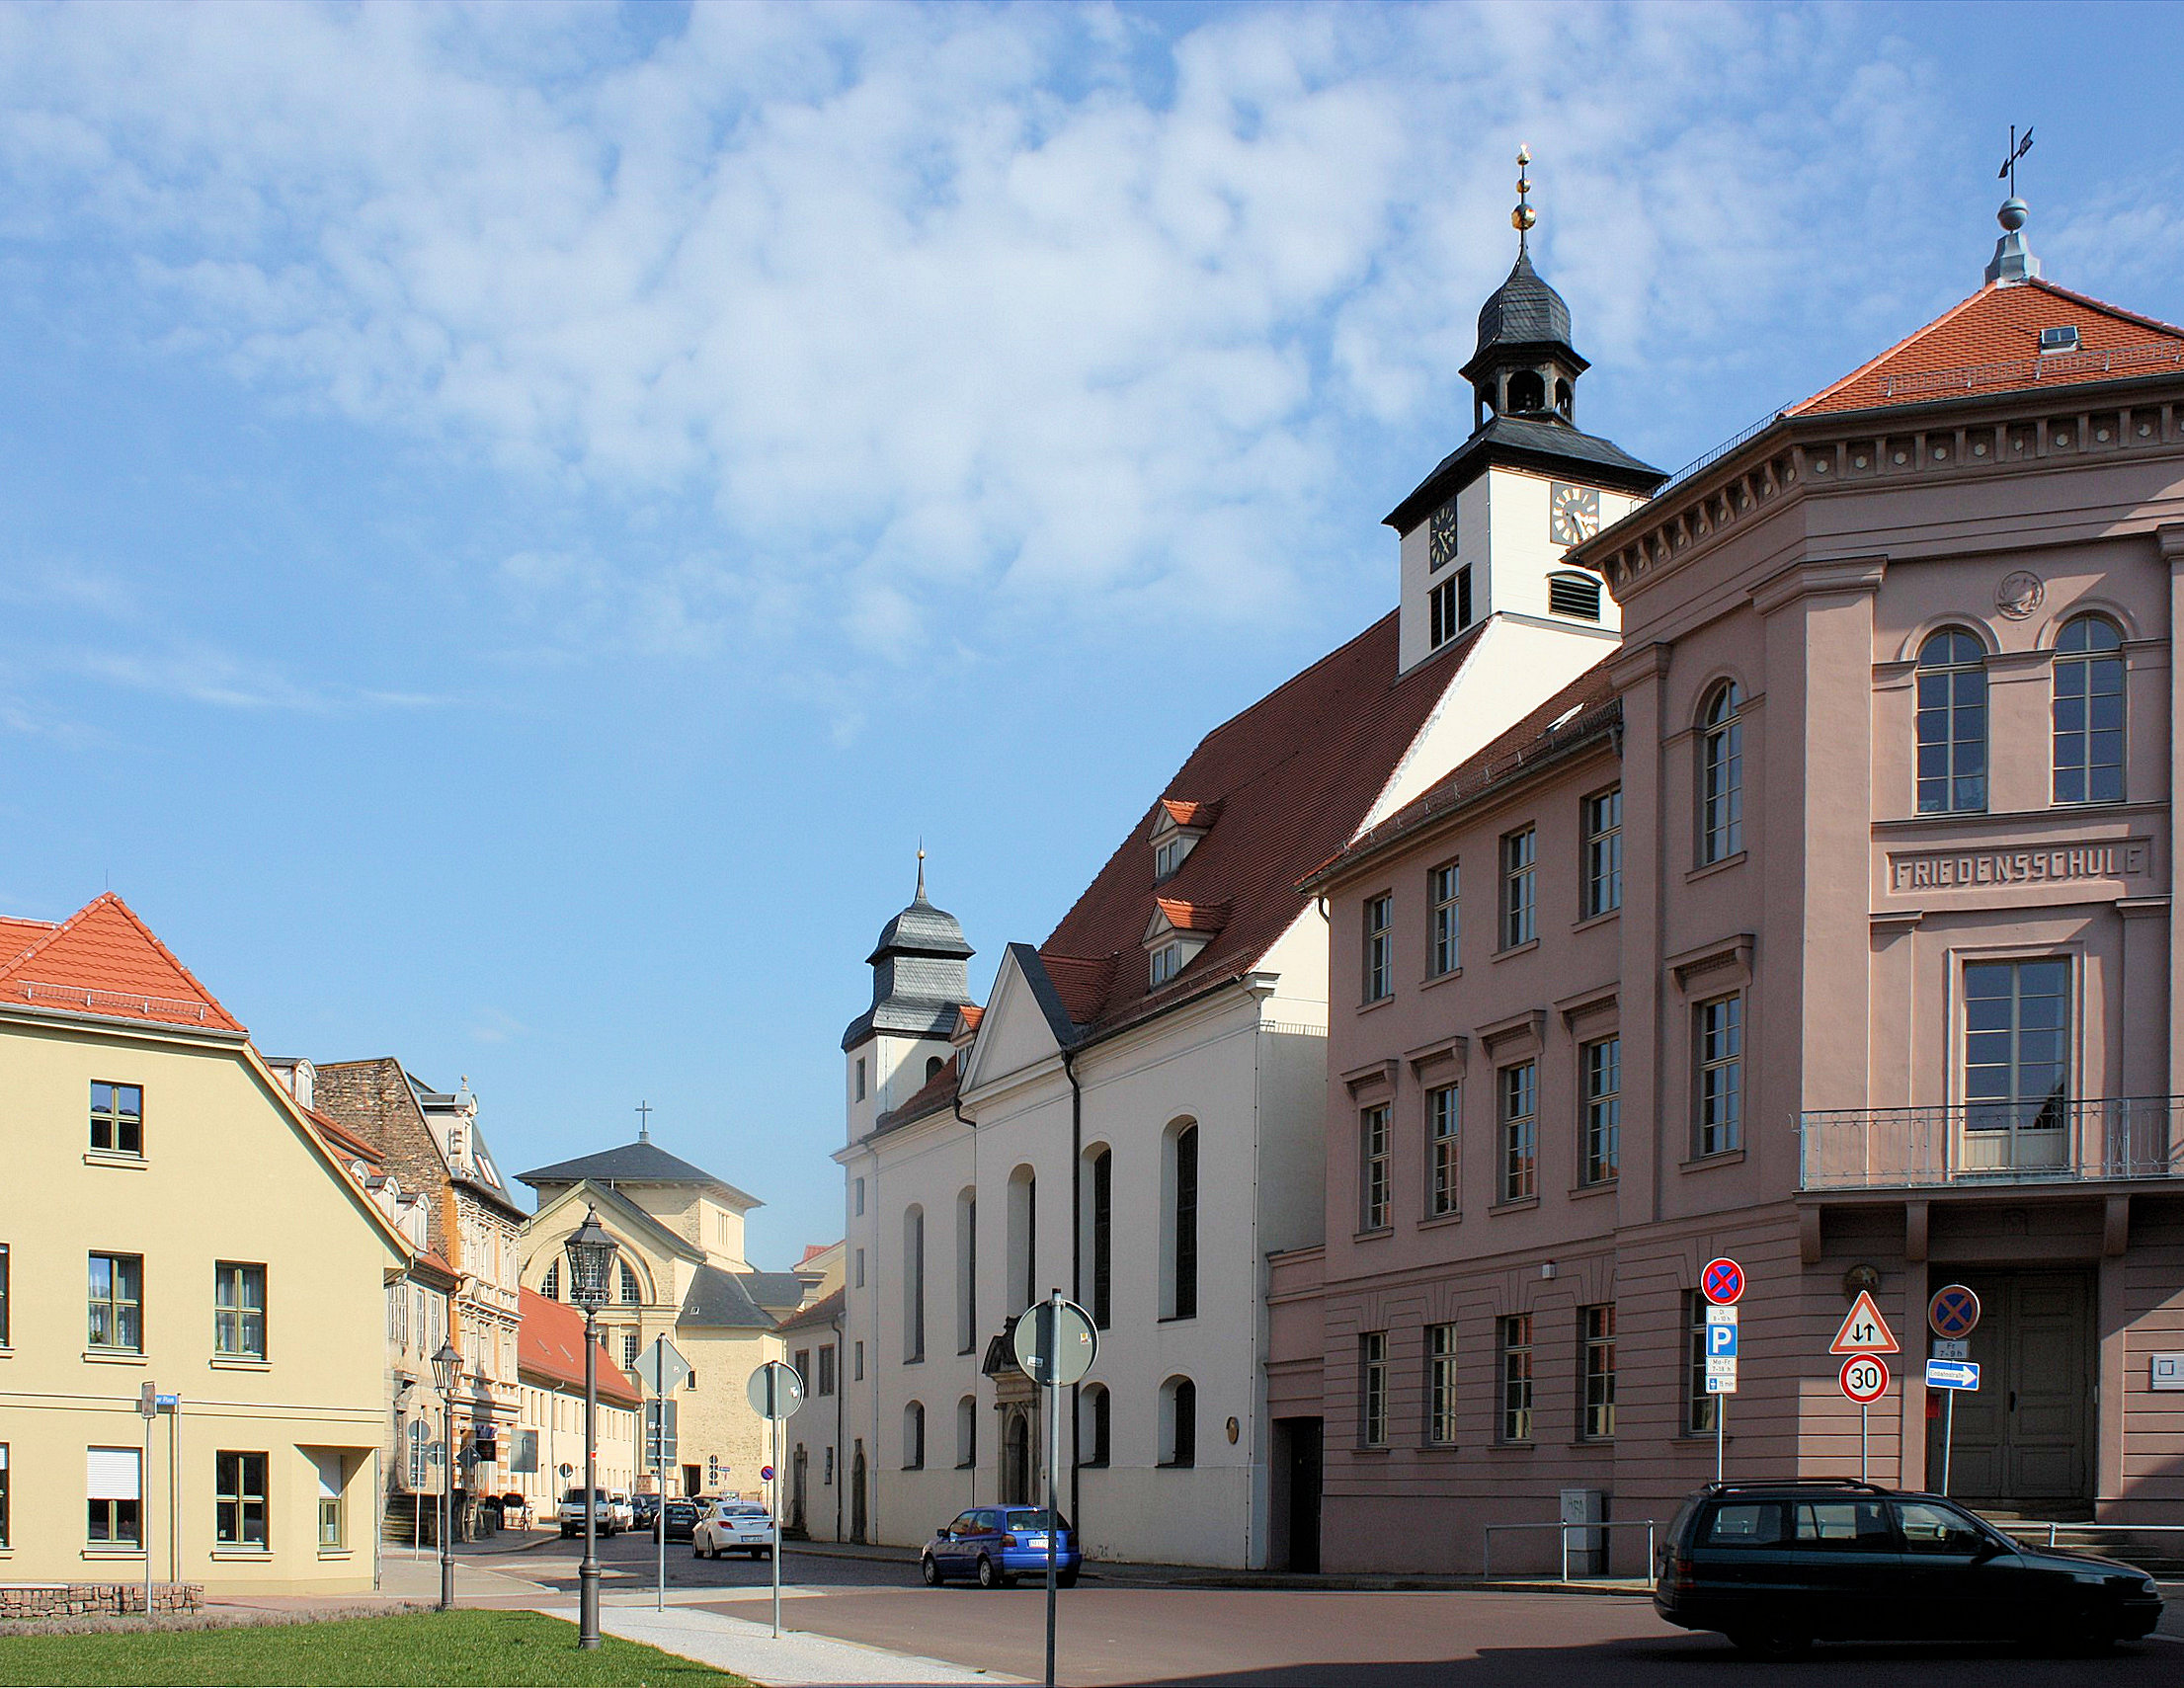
105	961
549	1343
1585	706
967	1017
936	1092
1193	916
1990	343
1187	814
1292	776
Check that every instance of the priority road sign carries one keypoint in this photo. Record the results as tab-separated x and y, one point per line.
1864	1331
1722	1281
1952	1374
1952	1311
1864	1377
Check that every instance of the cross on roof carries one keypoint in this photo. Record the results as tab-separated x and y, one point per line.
644	1122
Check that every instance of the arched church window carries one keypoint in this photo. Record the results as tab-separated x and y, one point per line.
549	1286
633	1295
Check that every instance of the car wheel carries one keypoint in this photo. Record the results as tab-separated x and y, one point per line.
929	1570
1770	1646
988	1575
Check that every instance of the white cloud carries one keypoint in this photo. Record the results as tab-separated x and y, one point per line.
946	311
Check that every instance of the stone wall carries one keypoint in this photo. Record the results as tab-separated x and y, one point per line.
87	1599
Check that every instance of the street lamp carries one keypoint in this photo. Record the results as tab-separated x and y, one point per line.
590	1253
445	1364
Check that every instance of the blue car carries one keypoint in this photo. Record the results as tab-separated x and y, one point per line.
999	1544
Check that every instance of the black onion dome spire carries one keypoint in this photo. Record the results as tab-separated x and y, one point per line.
1523	311
920	971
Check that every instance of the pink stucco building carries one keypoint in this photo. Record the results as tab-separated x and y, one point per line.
1826	923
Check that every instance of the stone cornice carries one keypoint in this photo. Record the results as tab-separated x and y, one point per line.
1955	439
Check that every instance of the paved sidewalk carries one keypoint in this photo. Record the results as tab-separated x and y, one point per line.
796	1660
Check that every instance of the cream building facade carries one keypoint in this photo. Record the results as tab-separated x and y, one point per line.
549	1434
683	1274
172	1222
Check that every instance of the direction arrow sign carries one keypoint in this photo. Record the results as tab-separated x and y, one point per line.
1722	1280
1864	1331
1864	1377
1952	1311
1952	1374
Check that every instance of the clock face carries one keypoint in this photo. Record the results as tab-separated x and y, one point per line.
1442	535
1572	513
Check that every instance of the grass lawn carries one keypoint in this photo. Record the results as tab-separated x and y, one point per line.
502	1649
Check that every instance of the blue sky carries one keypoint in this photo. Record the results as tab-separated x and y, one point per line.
517	519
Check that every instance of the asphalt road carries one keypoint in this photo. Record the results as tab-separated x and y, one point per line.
1116	1632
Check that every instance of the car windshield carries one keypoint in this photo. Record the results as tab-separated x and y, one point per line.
576	1496
1030	1518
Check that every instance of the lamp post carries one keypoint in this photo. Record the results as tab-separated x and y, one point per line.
591	1251
445	1364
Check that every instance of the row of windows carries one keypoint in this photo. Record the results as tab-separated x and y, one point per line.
1178	1444
1600	892
2086	735
824	1383
115	1305
1515	1402
1177	1259
113	1499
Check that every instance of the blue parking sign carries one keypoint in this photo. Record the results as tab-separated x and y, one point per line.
1721	1342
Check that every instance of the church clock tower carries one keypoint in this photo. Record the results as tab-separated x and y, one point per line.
1485	533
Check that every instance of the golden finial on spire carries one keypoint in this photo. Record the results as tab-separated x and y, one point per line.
1523	218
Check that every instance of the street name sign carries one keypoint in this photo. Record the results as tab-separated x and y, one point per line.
1864	1331
1864	1377
1952	1374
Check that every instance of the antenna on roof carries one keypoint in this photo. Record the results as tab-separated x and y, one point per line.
2013	261
644	1122
1523	218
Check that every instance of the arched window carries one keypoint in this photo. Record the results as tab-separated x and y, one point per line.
1952	723
1022	1281
966	1271
1179	1422
633	1295
2089	711
913	1283
914	1437
1180	1235
934	1064
1093	1426
1564	398
1526	392
1100	1193
966	1433
1722	774
549	1286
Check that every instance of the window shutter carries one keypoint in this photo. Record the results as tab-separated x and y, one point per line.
329	1475
111	1474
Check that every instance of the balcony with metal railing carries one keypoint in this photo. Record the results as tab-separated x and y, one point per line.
2054	1141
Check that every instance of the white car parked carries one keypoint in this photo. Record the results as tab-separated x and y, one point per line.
732	1527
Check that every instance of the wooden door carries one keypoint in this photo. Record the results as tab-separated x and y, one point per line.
2024	1439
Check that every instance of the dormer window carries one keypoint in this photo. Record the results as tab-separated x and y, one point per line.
1177	825
1168	961
2063	339
1177	932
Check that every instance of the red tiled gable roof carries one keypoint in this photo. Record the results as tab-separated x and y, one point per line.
967	1017
550	1343
1990	343
1187	814
103	960
1192	917
825	1310
1583	706
1294	776
17	935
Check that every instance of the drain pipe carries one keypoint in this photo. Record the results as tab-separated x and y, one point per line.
1076	1271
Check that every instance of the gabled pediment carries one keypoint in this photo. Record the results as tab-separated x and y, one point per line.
1023	1022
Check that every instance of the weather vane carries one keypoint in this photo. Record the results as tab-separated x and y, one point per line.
1523	218
2017	149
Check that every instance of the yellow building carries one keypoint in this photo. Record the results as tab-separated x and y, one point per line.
683	1274
169	1223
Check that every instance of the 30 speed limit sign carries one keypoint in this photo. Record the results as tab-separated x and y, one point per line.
1865	1378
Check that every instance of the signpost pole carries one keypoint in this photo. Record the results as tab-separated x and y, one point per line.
660	1493
1948	1436
148	1403
1721	1433
1050	1342
1865	1474
772	1379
